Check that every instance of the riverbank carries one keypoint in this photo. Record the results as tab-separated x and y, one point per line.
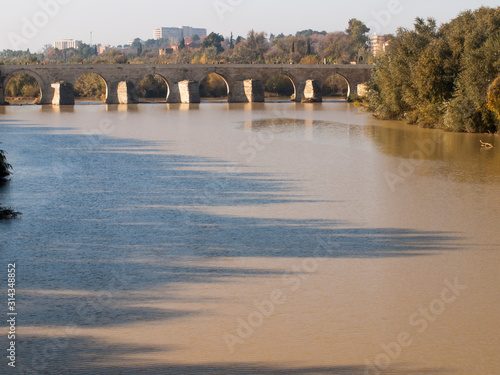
22	100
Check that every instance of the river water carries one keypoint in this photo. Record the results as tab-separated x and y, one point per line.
273	238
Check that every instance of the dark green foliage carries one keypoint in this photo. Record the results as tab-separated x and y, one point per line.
358	32
8	213
182	44
213	40
86	51
440	77
5	213
307	33
494	97
5	167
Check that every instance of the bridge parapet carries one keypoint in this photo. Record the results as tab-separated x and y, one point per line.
245	81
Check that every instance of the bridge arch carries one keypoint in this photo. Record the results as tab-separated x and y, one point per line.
336	85
41	83
91	85
281	84
214	85
153	86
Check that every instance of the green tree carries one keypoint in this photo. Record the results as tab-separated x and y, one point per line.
182	44
442	77
358	33
253	49
213	40
494	97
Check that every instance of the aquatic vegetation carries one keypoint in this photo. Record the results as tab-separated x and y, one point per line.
6	213
4	166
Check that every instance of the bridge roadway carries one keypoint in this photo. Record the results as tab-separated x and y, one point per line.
245	82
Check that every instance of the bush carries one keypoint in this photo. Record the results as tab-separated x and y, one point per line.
4	166
8	213
5	213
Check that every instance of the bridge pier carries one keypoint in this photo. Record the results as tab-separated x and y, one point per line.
2	100
246	91
47	93
309	91
63	94
174	94
189	92
355	88
121	92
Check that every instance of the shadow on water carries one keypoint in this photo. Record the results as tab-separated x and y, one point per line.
92	352
111	219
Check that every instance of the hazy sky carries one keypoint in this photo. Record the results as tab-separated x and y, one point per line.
34	23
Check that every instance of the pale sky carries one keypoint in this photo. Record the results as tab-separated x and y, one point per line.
34	23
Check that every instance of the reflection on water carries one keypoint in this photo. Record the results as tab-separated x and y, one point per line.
155	236
461	156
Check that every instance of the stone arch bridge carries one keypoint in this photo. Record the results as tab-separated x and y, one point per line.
245	82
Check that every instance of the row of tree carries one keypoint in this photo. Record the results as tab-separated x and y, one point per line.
307	46
442	77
